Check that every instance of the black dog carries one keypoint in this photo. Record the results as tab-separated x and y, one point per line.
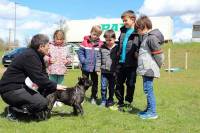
72	96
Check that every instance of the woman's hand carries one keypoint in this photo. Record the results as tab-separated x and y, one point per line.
61	87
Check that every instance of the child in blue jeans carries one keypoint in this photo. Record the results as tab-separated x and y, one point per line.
107	64
150	60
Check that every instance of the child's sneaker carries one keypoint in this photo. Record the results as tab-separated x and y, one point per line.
148	115
109	103
103	104
93	101
114	107
117	107
127	107
142	112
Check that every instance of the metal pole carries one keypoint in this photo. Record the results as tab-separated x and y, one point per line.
15	26
73	58
9	38
169	60
186	60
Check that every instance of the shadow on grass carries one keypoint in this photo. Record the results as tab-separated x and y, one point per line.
30	118
134	110
21	117
62	114
87	99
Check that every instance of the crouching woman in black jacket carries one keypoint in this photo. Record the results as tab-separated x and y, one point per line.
13	89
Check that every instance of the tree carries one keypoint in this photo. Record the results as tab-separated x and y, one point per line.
62	25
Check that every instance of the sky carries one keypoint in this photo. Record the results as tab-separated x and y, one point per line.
39	16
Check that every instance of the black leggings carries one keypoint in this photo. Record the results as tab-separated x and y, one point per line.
94	78
125	75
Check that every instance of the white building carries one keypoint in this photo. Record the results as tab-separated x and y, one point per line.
77	29
196	32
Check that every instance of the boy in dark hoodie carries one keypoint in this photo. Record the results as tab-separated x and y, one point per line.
150	60
127	61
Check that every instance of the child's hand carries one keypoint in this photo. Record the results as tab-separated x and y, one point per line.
67	61
61	87
52	61
98	73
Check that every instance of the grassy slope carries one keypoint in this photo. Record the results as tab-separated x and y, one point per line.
177	97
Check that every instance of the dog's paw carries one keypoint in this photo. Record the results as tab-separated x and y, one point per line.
82	113
43	115
75	113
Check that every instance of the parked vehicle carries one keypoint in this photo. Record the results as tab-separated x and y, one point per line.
10	55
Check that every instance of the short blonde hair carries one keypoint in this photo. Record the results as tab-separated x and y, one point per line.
129	13
97	29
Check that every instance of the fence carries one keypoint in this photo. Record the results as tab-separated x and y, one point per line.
181	57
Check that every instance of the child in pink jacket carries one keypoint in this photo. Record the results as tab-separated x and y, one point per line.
58	57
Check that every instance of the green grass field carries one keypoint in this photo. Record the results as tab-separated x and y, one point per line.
178	105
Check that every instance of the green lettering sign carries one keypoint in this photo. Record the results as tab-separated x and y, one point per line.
105	27
115	27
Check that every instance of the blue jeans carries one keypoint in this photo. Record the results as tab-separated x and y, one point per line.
148	90
107	81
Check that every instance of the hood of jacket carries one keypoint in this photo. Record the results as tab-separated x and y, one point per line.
105	46
87	40
158	35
